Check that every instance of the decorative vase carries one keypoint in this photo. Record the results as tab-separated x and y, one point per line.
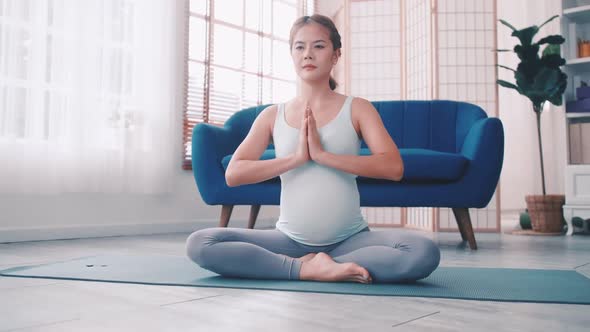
546	212
583	49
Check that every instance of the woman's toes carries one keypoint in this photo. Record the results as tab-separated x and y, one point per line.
362	280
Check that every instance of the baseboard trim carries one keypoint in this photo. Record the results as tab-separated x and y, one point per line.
44	233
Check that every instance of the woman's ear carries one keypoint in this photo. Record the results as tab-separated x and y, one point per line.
336	57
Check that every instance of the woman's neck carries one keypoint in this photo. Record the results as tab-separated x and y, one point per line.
314	93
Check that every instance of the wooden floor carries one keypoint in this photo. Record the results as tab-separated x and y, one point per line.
53	305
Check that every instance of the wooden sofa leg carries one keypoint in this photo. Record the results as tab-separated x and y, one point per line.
458	216
464	223
254	209
225	215
461	228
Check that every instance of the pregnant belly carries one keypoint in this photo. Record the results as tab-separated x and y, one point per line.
320	208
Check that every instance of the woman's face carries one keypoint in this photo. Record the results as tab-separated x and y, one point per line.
313	53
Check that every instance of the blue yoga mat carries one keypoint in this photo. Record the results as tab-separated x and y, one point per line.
486	284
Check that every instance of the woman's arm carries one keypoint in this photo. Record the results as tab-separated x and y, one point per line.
385	161
379	166
245	166
254	171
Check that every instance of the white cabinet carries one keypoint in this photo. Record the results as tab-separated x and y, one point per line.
576	26
577	170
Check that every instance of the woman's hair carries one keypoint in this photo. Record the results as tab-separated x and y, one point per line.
327	23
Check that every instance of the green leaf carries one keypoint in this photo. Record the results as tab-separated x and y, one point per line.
553	60
556	99
528	52
547	80
507	68
551	49
508	85
549	20
526	35
546	84
553	39
527	70
507	24
523	82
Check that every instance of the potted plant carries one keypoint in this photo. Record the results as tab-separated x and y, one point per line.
540	79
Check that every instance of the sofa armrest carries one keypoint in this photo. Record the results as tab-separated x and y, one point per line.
209	145
484	147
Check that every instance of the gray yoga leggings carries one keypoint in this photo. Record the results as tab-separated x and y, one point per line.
389	256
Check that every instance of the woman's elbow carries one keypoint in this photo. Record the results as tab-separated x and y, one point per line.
230	178
397	171
400	172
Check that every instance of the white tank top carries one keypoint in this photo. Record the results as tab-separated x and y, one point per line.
319	205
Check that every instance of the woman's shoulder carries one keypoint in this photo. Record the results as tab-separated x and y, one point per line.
361	106
267	112
268	115
362	110
361	103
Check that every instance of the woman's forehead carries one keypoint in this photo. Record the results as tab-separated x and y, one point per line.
311	32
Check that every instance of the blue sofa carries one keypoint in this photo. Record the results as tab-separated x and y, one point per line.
452	153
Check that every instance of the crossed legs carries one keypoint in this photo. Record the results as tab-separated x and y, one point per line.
368	256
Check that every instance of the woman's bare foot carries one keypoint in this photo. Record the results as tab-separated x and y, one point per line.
323	268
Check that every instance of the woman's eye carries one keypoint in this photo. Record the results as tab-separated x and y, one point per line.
319	46
298	47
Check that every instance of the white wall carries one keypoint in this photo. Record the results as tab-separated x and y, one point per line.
41	217
521	174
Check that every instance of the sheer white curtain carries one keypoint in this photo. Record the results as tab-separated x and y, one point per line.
87	95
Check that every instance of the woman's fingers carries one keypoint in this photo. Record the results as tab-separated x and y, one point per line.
311	120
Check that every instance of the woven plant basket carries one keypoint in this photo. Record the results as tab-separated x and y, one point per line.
546	212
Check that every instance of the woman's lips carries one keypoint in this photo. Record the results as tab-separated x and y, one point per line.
310	67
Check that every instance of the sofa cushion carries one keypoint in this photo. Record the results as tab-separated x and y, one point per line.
427	165
419	164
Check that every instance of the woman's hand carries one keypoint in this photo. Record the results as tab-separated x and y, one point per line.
302	153
313	137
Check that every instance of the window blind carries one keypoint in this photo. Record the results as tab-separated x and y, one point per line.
238	57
